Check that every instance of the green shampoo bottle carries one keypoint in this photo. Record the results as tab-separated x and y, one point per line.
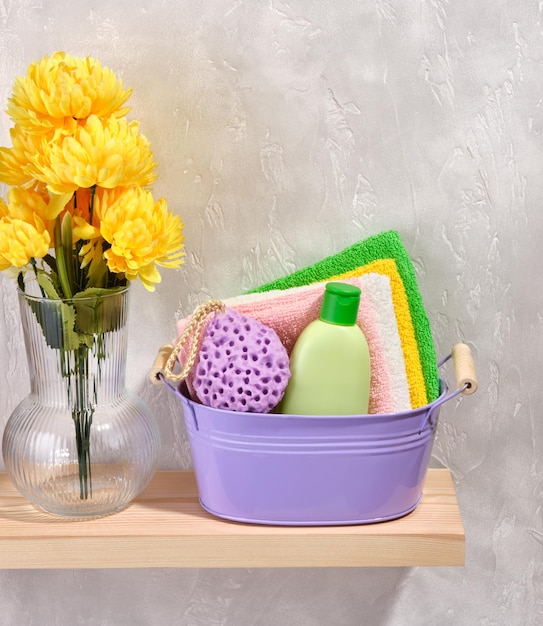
330	362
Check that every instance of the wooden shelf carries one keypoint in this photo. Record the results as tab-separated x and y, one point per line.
166	527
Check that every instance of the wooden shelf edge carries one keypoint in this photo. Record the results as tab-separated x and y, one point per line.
166	527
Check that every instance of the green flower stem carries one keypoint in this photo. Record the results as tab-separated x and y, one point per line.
91	204
83	400
83	420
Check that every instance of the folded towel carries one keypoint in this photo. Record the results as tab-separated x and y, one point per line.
386	245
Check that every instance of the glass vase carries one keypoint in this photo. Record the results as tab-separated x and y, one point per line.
80	444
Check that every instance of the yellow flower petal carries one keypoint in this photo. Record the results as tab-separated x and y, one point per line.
16	162
82	230
57	203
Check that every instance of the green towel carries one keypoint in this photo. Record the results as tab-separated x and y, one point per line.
386	245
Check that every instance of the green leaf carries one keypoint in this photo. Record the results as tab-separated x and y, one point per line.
57	320
63	255
46	283
97	273
96	314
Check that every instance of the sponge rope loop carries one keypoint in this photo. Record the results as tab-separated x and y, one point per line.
191	333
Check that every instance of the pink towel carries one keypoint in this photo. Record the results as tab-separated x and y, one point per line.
289	311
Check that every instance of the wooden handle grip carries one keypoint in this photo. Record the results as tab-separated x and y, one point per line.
159	364
464	369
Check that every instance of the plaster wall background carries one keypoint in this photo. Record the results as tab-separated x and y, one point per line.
284	132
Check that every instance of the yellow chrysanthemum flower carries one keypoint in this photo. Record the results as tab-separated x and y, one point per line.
21	241
108	153
34	206
59	91
27	204
15	162
141	234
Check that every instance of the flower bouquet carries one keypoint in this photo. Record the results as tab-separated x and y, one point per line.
80	223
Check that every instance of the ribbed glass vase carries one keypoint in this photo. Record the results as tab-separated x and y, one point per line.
80	444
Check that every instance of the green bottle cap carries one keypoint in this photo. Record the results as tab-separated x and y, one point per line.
340	304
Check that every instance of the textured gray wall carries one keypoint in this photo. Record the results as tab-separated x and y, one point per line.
285	131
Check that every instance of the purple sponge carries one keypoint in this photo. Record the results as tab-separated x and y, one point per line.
242	365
